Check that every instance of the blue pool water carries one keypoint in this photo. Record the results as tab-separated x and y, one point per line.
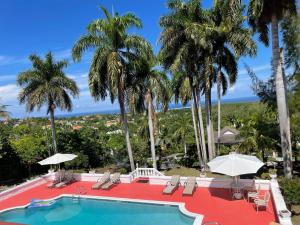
98	212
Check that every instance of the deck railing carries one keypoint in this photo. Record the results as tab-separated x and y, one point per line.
145	172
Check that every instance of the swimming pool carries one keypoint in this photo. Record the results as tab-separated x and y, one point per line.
69	211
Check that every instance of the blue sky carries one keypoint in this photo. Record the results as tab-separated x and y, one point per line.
36	26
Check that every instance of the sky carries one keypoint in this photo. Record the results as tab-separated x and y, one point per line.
38	26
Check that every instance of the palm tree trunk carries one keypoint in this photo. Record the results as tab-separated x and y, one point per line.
283	113
208	124
212	127
196	131
201	129
151	129
53	129
219	109
125	123
185	148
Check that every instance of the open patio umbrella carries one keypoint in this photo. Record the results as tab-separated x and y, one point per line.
235	164
57	159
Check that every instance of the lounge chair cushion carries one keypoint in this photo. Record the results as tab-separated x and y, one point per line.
114	180
104	179
172	185
68	180
170	189
190	186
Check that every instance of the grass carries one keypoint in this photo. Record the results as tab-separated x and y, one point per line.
296	217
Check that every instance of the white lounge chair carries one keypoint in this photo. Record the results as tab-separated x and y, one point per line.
69	178
172	185
189	186
115	179
101	181
57	179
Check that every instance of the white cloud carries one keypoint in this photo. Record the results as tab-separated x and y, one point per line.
10	77
8	60
63	54
255	69
9	92
80	79
5	59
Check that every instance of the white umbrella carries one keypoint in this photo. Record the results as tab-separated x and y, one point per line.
235	164
57	159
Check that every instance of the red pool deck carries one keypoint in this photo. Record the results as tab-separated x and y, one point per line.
215	204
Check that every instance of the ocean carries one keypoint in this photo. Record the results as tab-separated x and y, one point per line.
171	106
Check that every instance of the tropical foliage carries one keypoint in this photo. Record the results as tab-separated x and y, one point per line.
46	84
200	48
117	59
262	13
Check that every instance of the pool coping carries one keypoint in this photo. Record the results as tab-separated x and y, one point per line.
198	218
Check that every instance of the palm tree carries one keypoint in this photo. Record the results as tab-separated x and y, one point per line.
115	62
180	51
47	84
181	133
182	90
157	88
261	13
231	40
151	85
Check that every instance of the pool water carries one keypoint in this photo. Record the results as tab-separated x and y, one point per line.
95	212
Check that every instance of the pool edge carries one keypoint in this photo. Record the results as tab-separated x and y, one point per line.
198	218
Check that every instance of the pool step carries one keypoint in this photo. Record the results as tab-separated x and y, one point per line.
76	198
80	190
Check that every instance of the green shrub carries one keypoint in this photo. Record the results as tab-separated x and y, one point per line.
265	176
291	191
123	170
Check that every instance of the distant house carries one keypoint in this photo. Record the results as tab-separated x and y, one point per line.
111	123
76	127
46	126
229	136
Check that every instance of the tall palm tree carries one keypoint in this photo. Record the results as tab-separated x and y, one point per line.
182	90
261	13
151	91
180	51
47	84
233	39
115	62
157	89
181	133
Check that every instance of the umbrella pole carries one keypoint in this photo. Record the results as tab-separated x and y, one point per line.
235	180
59	172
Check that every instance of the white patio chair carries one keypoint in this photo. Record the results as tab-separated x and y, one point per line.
262	202
253	194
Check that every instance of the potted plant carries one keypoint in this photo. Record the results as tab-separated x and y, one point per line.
285	213
203	173
272	173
